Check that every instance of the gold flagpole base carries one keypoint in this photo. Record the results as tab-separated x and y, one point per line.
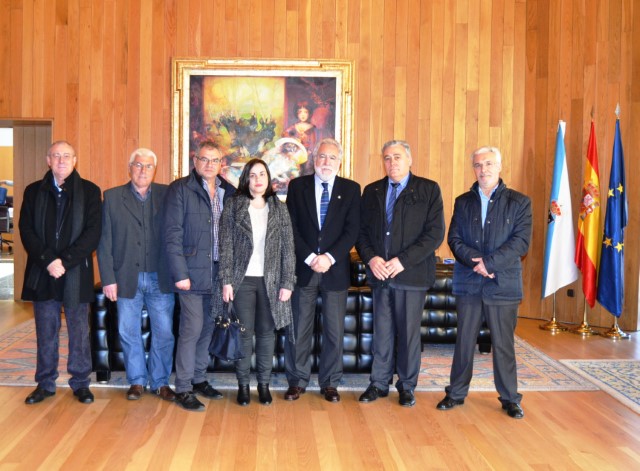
584	329
614	333
553	326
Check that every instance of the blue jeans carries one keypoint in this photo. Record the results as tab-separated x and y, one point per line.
47	316
160	309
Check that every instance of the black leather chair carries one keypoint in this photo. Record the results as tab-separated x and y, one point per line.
6	224
439	320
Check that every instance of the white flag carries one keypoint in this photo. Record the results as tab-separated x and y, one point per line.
559	265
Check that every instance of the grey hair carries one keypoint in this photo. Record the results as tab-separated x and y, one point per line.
143	152
58	143
329	141
487	150
397	142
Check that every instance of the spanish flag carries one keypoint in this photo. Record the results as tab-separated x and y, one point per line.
589	240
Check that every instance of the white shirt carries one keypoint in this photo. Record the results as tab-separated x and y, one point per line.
259	218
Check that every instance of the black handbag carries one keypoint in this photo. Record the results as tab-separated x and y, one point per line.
226	343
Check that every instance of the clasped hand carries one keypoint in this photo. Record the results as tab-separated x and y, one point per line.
480	269
383	269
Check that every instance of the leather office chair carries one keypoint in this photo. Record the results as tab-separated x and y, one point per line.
6	224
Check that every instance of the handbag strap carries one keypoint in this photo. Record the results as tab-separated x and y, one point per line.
231	313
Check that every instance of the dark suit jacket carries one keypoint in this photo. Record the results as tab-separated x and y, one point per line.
119	251
339	232
416	232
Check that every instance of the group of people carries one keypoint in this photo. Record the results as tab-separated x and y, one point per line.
216	246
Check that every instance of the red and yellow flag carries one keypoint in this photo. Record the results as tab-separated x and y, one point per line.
589	232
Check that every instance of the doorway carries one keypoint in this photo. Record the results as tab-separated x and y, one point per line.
31	139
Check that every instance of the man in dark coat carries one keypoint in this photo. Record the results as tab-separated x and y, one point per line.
325	214
489	234
193	207
60	228
401	226
134	274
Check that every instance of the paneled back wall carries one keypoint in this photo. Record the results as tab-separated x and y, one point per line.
446	75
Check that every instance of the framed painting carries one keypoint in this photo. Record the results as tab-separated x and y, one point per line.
275	110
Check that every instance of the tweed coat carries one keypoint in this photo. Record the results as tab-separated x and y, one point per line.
236	247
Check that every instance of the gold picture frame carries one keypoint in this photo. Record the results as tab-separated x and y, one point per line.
256	108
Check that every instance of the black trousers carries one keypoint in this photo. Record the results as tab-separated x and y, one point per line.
252	308
298	356
502	321
396	315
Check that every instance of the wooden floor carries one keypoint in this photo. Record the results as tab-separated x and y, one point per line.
561	430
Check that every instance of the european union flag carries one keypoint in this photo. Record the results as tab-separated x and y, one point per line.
611	277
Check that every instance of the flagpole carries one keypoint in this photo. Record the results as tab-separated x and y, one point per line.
584	329
615	333
553	326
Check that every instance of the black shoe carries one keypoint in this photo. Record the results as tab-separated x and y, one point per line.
372	393
330	394
244	396
84	395
38	395
407	399
449	403
513	410
189	401
294	393
263	393
205	389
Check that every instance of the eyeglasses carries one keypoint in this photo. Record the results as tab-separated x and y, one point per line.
206	161
61	156
140	166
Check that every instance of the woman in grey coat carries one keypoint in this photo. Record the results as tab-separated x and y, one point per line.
257	271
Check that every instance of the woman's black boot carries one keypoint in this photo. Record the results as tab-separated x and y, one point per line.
263	393
244	397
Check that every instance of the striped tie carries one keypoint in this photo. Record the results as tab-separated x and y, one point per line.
324	202
391	203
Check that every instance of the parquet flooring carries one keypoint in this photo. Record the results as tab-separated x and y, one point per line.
561	430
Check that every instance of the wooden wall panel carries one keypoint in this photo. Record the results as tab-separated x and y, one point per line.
448	75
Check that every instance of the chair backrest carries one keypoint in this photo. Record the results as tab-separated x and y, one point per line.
5	222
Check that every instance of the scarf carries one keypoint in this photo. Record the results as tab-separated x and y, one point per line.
71	297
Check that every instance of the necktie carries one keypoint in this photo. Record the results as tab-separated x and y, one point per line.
215	209
391	203
324	202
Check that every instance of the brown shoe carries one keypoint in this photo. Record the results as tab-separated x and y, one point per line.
135	392
165	393
330	394
293	393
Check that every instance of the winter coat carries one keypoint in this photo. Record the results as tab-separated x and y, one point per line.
188	232
501	244
236	244
78	237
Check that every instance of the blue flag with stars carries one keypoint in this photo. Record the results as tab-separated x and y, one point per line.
611	276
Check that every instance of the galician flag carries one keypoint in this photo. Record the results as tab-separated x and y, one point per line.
611	278
559	267
589	233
